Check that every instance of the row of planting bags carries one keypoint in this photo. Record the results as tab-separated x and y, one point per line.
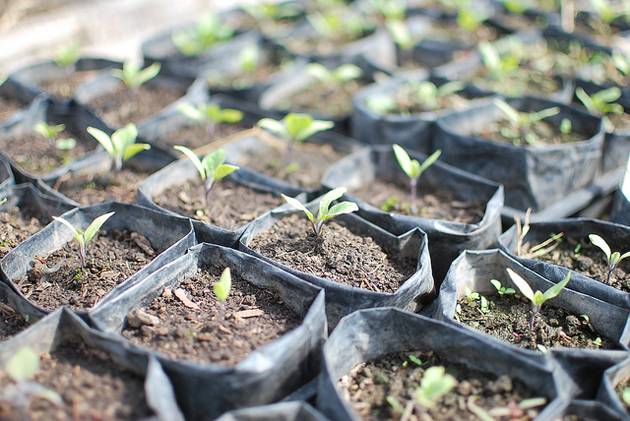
574	381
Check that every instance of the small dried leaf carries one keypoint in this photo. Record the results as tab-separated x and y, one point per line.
249	313
181	294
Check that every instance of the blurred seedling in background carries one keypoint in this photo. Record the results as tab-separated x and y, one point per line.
67	56
602	103
50	133
83	237
210	115
613	259
413	169
133	76
336	24
325	212
500	65
435	384
520	131
269	14
208	31
334	80
404	39
412	95
121	145
502	290
249	59
469	15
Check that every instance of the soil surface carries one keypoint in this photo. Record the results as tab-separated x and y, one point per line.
406	102
58	279
325	99
90	385
66	86
17	225
431	204
588	260
120	186
508	317
317	45
219	332
124	105
11	322
244	80
39	156
224	210
338	254
8	107
305	169
517	83
195	136
621	122
545	133
395	377
450	31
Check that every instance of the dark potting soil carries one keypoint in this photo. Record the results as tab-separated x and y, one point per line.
196	136
508	317
370	386
518	83
431	204
338	254
120	186
40	156
17	225
546	134
124	105
242	80
201	329
90	385
11	322
323	98
582	256
66	86
407	102
305	169
58	279
8	107
231	205
621	386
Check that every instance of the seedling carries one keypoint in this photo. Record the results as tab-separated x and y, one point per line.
333	25
606	11
402	36
472	296
602	103
336	77
625	395
389	10
48	131
133	76
326	212
517	7
249	59
566	127
613	258
222	287
414	170
3	201
412	94
67	56
434	385
211	169
208	32
520	130
501	290
499	65
210	114
470	17
83	237
537	299
121	145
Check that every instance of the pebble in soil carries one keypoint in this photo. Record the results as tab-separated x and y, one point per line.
508	317
231	205
120	186
18	223
431	204
88	382
582	256
323	98
66	86
199	328
370	385
59	279
338	254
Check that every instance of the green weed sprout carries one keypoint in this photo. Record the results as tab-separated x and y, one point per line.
414	170
210	114
501	290
434	385
521	123
537	298
208	32
83	237
222	287
133	76
67	56
325	212
211	169
390	10
613	258
121	145
602	103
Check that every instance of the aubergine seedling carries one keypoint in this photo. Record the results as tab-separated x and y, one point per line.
414	170
222	287
83	237
208	31
335	25
502	290
326	212
211	169
520	130
210	115
500	65
413	94
435	384
613	259
67	57
537	299
121	145
249	59
50	133
539	250
602	103
133	76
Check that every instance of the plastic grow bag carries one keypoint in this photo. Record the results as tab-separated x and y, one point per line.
617	236
343	299
473	271
205	390
11	90
284	411
607	394
170	237
413	131
533	177
447	239
369	334
621	209
559	36
63	327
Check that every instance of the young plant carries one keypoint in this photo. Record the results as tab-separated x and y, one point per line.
520	130
222	287
211	169
403	37
606	11
414	96
613	258
537	299
334	78
389	10
208	32
249	59
501	290
500	65
434	385
133	76
601	103
539	250
83	237
50	133
334	25
326	212
121	145
67	56
210	115
414	170
469	16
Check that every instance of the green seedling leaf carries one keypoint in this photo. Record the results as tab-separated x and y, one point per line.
66	144
328	198
95	226
417	361
249	58
133	76
401	34
48	131
295	127
626	395
195	160
396	406
67	56
599	242
223	286
434	385
84	237
121	144
296	204
510	113
23	365
566	126
555	290
409	166
521	284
